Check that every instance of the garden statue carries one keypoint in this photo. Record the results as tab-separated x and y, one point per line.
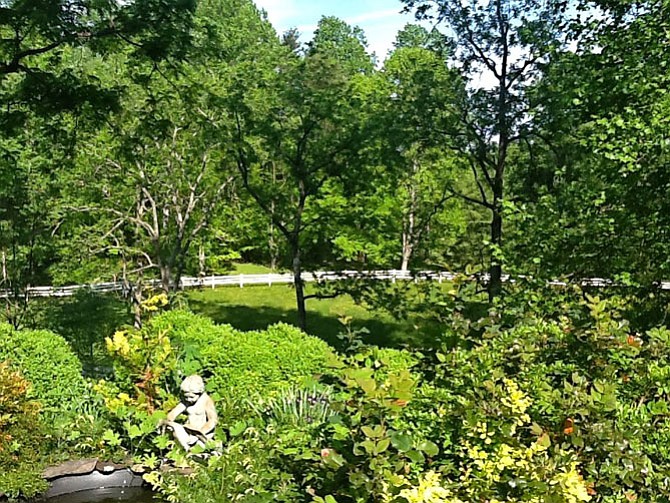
202	418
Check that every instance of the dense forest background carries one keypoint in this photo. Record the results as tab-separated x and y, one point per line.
153	139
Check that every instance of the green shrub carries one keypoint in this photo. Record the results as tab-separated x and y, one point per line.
596	395
47	361
21	433
244	472
240	365
181	322
393	360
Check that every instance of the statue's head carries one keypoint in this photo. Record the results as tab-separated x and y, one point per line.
192	387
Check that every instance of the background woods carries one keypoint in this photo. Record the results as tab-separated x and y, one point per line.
142	146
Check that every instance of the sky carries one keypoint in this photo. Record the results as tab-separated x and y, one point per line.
380	19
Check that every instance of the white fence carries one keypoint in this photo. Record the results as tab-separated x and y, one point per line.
241	280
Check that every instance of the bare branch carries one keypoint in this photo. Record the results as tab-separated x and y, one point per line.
470	199
322	295
474	170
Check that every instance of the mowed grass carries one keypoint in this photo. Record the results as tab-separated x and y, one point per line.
256	307
245	268
87	318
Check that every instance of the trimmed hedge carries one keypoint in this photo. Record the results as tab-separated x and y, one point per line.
244	364
394	360
47	361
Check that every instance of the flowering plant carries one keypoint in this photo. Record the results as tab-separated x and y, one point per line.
498	461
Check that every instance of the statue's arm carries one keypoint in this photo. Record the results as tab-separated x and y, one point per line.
172	415
212	417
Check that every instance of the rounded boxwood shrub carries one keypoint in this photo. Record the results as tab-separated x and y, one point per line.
47	361
240	364
184	324
394	360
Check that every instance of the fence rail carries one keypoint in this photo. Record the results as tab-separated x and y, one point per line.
241	280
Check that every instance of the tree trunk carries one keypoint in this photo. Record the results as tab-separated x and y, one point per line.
136	299
166	278
4	268
495	270
299	287
272	245
202	260
4	283
409	229
406	253
272	240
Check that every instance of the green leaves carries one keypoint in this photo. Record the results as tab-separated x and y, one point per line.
371	447
328	499
402	441
373	432
133	431
428	447
238	428
112	438
416	457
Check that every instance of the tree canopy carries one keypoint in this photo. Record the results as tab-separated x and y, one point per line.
155	138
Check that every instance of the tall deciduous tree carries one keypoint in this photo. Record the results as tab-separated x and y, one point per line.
602	209
422	92
148	184
48	99
296	127
337	40
402	200
38	141
500	45
28	194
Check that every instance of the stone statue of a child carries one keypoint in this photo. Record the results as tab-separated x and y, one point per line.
201	412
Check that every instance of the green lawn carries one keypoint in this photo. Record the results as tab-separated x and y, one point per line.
256	307
86	319
250	269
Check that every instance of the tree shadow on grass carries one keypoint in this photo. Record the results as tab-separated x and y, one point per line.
386	333
84	320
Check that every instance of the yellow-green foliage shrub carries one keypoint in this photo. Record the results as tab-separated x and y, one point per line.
48	362
390	360
20	436
597	394
143	389
502	457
